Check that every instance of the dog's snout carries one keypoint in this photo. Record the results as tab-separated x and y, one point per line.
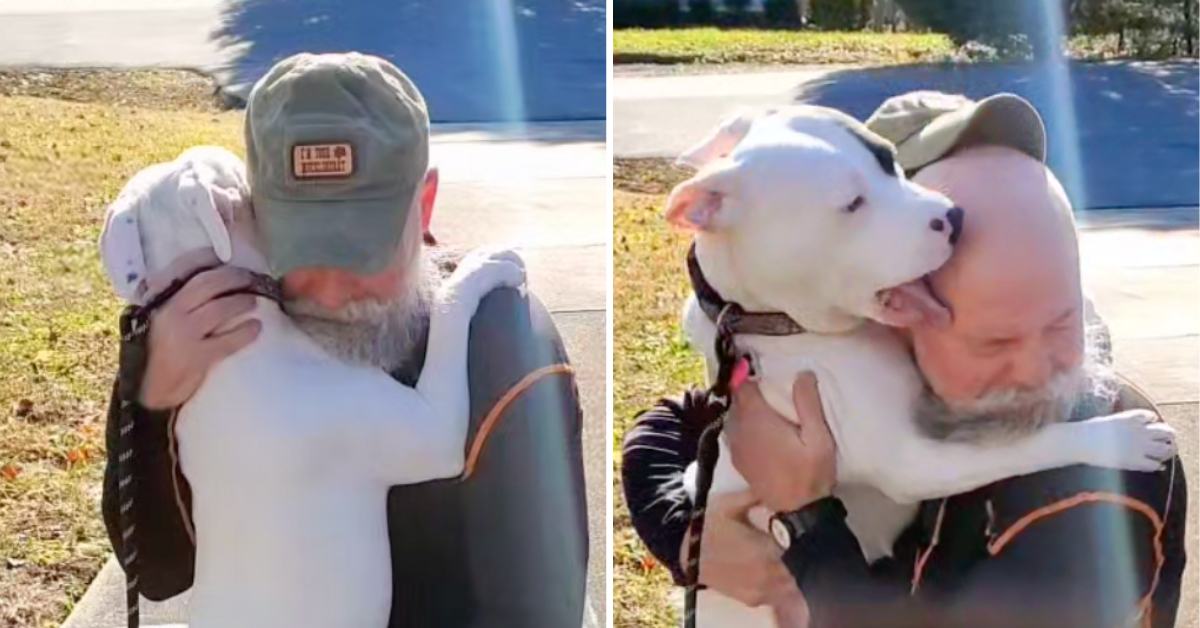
955	216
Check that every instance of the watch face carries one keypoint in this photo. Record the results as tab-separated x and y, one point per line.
780	531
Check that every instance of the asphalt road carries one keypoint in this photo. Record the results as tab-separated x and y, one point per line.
1131	126
476	61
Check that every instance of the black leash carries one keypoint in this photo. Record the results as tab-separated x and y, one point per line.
731	319
135	327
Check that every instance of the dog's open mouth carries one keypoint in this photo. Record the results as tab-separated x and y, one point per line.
911	304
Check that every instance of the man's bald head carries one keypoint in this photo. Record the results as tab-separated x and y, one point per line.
1012	285
1019	220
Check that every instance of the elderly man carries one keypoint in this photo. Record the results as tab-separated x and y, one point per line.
337	154
1072	547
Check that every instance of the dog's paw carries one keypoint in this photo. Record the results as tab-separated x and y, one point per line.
1134	439
482	271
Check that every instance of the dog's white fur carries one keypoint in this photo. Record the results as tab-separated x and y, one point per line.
773	234
288	451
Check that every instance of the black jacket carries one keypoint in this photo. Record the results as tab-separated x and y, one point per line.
465	552
1077	547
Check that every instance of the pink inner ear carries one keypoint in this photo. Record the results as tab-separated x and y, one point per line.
693	206
225	201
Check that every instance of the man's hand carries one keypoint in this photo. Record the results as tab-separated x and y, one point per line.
188	333
788	466
738	560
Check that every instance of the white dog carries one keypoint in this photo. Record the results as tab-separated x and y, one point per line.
290	452
802	211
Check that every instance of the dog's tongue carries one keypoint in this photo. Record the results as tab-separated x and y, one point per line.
911	304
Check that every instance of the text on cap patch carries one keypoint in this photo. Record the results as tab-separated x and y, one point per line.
322	161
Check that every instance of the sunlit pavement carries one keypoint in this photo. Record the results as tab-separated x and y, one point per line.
542	190
1142	270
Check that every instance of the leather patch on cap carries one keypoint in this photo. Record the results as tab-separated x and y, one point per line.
333	160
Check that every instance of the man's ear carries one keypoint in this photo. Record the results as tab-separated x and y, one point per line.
121	248
721	142
428	198
199	200
701	203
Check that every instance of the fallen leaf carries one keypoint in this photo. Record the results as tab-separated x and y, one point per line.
75	456
648	564
10	471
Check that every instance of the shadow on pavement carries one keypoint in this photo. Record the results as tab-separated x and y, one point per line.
1136	121
474	61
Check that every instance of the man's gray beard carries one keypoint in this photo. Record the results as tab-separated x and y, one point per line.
375	333
1087	391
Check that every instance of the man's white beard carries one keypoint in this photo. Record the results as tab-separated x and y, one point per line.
1004	415
375	333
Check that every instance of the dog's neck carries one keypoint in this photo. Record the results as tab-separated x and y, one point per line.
719	263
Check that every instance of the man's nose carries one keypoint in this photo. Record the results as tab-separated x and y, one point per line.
1032	369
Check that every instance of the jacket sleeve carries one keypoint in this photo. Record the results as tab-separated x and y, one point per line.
657	450
166	554
1070	548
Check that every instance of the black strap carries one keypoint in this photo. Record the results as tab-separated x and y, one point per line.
135	327
738	319
731	319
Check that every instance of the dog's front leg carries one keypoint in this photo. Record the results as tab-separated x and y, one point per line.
410	435
443	381
926	469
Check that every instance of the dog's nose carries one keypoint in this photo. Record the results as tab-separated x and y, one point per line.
955	216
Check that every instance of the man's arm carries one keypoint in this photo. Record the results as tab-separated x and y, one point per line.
521	501
657	449
1075	547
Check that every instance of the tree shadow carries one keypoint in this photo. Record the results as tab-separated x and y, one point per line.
474	61
1136	121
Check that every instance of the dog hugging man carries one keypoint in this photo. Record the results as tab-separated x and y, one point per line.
342	196
1070	547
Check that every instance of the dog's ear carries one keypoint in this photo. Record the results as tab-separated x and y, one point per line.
203	204
720	143
700	203
121	248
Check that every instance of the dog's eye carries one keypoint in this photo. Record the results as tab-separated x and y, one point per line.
855	204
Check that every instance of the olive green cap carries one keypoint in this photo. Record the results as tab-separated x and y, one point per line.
927	125
336	147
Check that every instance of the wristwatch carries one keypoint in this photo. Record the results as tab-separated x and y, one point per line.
788	526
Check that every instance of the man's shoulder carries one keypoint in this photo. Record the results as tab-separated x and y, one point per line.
508	317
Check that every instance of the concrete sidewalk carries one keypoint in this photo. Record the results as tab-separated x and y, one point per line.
1142	270
540	189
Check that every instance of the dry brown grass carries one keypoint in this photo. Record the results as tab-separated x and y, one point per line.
60	164
650	360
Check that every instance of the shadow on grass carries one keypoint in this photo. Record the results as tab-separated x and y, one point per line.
620	58
1135	123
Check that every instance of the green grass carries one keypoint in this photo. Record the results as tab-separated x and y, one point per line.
60	165
650	360
716	46
707	45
